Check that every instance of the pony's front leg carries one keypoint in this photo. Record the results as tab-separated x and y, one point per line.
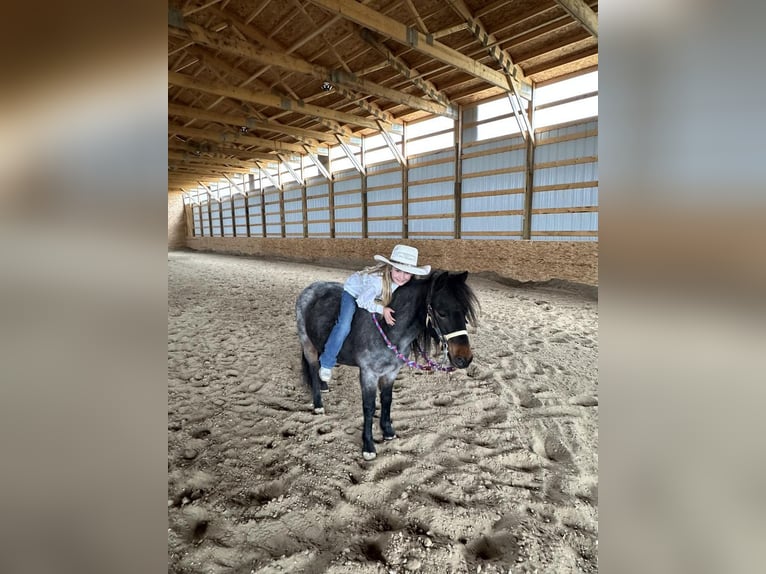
386	396
369	391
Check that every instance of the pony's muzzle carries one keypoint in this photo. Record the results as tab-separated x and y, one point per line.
460	355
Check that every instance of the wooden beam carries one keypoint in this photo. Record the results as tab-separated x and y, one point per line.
250	122
395	30
322	169
449	31
491	43
273	181
235	137
418	19
281	59
195	161
181	166
264	99
410	73
583	13
220	151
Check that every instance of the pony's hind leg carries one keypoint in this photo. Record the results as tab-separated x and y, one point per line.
386	396
310	362
369	394
310	372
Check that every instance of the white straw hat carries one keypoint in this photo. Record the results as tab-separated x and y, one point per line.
405	258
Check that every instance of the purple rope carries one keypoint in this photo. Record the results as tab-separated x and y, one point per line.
410	363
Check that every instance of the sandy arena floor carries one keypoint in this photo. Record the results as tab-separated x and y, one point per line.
495	468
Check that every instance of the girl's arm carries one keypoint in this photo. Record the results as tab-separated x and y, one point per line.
367	299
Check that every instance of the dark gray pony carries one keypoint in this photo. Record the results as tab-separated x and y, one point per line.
429	311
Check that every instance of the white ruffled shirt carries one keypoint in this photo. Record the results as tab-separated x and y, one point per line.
366	288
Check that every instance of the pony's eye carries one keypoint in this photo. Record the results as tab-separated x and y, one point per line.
440	314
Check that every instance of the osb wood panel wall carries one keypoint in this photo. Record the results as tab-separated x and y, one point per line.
176	221
575	261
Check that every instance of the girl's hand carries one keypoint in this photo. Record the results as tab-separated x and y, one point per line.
388	315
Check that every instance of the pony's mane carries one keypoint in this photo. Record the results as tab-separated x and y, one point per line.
467	298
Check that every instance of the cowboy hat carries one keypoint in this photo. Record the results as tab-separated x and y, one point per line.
405	258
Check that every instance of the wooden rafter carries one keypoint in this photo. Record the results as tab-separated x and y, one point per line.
418	19
519	83
293	64
251	123
267	99
400	66
210	149
194	160
394	29
582	13
234	137
502	58
259	73
216	63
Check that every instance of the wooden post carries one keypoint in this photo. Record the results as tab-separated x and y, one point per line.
263	205
220	206
331	195
405	186
365	222
210	212
281	196
458	226
251	181
526	229
233	216
304	201
365	215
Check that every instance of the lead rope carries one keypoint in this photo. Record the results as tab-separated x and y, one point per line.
432	365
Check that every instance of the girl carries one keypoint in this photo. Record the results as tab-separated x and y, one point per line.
364	289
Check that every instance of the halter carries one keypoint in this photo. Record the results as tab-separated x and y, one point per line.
443	339
431	366
431	318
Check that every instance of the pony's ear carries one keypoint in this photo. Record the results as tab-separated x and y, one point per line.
440	279
461	277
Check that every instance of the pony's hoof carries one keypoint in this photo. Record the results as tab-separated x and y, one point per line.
392	437
319	411
369	455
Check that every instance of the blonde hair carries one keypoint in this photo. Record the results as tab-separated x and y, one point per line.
384	269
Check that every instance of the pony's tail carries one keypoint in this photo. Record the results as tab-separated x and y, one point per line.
307	347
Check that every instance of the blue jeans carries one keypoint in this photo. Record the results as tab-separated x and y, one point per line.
339	332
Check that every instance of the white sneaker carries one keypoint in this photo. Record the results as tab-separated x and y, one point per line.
325	374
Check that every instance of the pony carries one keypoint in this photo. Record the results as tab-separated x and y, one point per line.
429	312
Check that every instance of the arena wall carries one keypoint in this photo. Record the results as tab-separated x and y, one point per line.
515	260
176	223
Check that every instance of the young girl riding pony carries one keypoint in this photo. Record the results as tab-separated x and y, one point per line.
370	289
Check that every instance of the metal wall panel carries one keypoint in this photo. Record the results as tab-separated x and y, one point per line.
391	178
505	190
348	201
273	222
197	216
432	219
254	207
215	211
318	204
580	201
293	201
205	221
388	228
240	221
